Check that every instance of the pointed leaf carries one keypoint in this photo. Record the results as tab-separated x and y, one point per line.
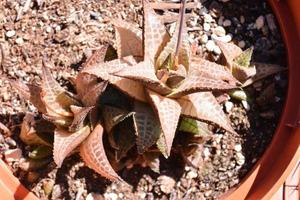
32	134
204	107
97	57
129	39
144	72
65	142
155	34
213	70
113	116
196	127
58	120
243	73
168	112
93	154
244	58
147	126
31	93
125	137
56	98
230	51
198	81
105	70
94	93
80	114
263	70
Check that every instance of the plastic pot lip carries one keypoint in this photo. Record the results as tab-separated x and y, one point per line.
275	165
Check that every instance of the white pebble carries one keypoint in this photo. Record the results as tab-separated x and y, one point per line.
208	18
219	31
203	39
260	22
206	27
191	175
226	38
242	44
10	34
238	147
19	40
242	19
206	153
227	23
246	105
111	196
228	106
210	45
48	29
217	50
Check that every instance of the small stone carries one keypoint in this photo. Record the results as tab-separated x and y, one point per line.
227	38
206	27
217	50
271	22
228	106
13	155
10	34
242	44
240	158
203	39
208	18
208	193
238	147
57	192
166	184
111	196
48	29
206	152
246	105
260	22
210	45
219	31
242	19
19	41
227	23
191	175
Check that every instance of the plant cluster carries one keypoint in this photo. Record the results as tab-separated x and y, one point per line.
131	102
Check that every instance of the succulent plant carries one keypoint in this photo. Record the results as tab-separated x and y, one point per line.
127	100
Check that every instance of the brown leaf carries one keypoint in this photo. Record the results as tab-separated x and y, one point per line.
168	111
263	70
129	39
31	93
230	51
55	98
147	126
243	73
112	116
144	72
97	57
58	120
105	70
212	70
80	114
65	142
197	81
155	34
204	107
93	153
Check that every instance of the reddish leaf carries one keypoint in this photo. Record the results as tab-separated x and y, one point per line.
31	93
243	73
129	39
104	71
230	51
155	34
198	81
144	72
65	142
244	58
212	70
80	114
263	70
55	98
147	126
58	120
93	153
97	57
204	107
168	111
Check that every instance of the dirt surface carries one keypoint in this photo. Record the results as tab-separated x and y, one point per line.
67	32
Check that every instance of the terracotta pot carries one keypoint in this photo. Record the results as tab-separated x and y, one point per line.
281	156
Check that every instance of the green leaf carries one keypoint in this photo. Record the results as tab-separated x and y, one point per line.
40	152
195	127
244	58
